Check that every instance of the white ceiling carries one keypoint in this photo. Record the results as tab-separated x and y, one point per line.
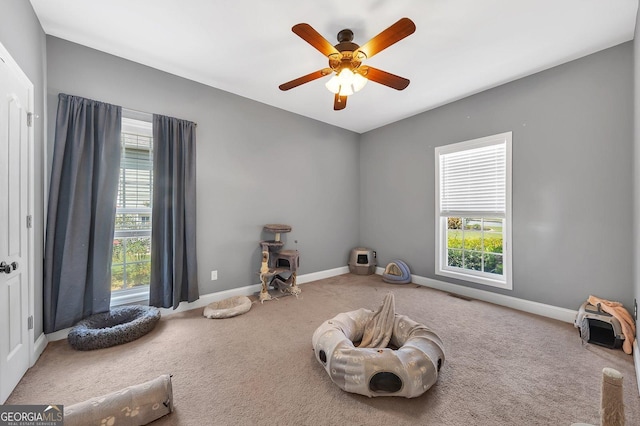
246	47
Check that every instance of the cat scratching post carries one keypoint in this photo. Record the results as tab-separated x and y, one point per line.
275	262
611	402
611	406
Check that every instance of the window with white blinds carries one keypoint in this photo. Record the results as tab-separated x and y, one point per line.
131	259
473	181
473	210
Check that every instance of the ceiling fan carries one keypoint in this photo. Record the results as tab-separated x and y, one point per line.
346	57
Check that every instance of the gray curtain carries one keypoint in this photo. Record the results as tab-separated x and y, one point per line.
81	211
174	272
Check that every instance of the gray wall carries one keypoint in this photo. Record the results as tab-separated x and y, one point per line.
255	164
22	36
572	179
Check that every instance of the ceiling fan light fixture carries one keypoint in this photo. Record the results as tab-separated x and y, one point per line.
358	82
346	90
346	82
333	84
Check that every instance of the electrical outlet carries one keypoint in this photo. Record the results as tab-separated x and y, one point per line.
214	275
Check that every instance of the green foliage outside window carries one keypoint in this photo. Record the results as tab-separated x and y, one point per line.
131	257
475	244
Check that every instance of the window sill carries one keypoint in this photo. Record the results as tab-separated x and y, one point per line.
131	296
475	279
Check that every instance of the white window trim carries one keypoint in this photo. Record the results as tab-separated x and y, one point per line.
441	267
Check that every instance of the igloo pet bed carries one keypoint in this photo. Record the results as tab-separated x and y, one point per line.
227	308
120	325
397	272
132	406
395	356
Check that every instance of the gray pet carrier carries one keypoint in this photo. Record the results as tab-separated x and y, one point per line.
598	327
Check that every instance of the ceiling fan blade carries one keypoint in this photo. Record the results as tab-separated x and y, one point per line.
396	32
339	102
311	36
305	79
383	77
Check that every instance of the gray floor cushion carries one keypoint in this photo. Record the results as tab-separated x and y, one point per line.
120	325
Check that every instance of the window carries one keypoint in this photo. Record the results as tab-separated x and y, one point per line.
473	210
131	259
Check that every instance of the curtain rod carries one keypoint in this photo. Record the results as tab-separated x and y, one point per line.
131	110
144	113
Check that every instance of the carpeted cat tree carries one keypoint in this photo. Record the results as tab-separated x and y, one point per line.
279	267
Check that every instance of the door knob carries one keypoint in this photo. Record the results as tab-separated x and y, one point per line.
6	268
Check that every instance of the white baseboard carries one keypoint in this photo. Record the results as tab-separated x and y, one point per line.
636	362
57	335
38	347
205	299
315	276
550	311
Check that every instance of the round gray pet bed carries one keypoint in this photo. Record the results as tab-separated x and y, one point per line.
120	325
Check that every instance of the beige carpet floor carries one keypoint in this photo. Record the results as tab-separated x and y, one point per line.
502	367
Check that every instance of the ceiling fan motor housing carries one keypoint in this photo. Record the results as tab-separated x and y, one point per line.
345	58
345	41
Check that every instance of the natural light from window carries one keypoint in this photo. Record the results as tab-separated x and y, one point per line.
131	259
473	210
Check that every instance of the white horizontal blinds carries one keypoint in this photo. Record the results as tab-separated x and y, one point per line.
473	181
133	213
136	165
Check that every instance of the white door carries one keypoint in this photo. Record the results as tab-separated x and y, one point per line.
14	251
